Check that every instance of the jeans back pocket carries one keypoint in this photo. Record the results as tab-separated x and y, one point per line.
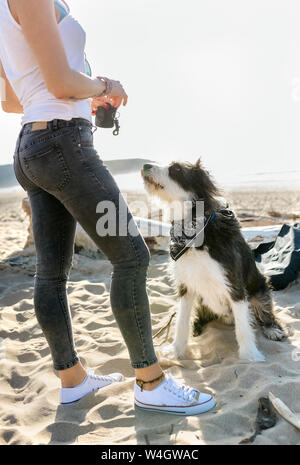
46	168
86	138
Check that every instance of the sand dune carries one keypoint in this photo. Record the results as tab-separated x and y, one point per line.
29	410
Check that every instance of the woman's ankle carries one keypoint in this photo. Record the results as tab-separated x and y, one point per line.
150	377
72	377
152	385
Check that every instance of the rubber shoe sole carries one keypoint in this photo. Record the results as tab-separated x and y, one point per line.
185	411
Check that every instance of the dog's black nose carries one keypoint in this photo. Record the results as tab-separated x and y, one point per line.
146	168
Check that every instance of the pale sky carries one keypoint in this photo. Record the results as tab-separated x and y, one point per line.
211	78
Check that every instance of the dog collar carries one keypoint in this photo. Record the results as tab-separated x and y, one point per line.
183	237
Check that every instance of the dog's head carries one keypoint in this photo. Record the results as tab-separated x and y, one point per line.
180	182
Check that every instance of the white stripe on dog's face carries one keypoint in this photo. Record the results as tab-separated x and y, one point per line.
158	182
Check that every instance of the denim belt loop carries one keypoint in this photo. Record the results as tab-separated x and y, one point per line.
55	125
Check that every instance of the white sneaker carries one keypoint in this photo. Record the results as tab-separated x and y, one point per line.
172	397
91	383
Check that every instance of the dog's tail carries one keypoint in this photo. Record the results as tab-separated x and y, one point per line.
264	312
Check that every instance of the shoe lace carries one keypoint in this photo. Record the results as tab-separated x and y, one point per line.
182	391
99	377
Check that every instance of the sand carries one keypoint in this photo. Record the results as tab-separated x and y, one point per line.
29	387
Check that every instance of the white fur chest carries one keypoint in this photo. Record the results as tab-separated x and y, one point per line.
204	277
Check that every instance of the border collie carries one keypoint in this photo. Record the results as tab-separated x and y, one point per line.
219	276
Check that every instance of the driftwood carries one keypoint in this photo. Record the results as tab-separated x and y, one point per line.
26	208
284	411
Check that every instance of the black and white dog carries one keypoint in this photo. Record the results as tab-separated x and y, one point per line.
219	277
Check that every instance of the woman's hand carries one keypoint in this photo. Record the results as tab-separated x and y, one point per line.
100	102
116	95
116	91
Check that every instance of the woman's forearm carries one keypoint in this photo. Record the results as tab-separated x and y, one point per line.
75	85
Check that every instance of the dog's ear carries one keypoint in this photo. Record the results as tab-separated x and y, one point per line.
202	182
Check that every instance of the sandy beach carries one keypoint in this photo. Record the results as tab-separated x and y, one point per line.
29	387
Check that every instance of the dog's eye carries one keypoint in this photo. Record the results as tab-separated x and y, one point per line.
175	168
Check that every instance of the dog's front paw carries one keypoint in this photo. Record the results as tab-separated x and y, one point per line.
275	333
253	355
173	352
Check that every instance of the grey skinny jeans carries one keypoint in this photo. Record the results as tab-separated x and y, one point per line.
65	180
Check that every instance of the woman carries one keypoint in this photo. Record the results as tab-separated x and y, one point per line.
43	64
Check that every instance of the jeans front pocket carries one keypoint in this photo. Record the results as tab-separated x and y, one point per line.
47	168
